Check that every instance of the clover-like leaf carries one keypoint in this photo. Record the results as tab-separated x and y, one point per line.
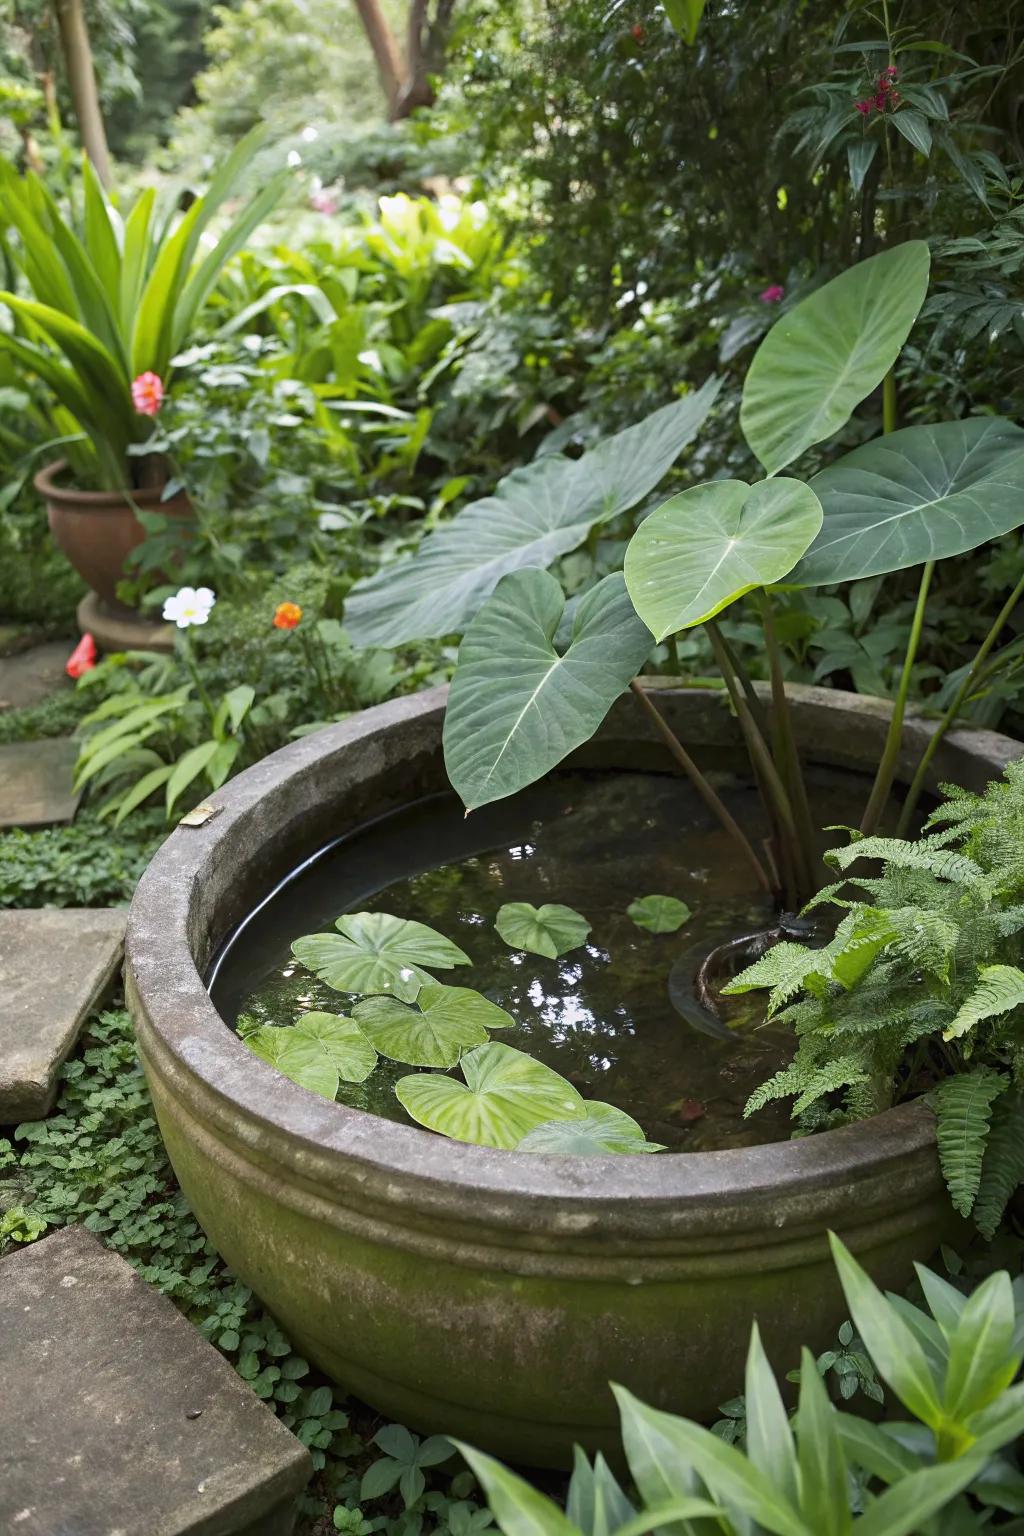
659	914
506	1093
602	1129
317	1052
517	706
709	545
373	952
819	361
550	930
444	1022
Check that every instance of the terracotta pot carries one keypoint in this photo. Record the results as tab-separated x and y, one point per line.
97	530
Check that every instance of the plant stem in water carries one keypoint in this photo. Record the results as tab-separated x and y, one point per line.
787	755
894	736
701	785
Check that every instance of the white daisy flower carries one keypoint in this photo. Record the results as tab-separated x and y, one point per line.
188	606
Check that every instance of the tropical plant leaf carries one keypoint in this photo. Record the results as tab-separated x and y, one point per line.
824	1476
317	1052
982	1360
820	360
1002	1169
536	514
506	1093
659	914
602	1129
769	1437
550	930
444	1022
904	1509
924	493
516	707
685	17
1000	988
595	1503
519	1508
963	1108
709	545
785	967
956	867
373	952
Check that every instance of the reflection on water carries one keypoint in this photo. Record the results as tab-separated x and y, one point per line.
600	1015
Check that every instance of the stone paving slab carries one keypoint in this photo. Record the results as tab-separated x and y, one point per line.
35	782
55	966
117	1418
32	675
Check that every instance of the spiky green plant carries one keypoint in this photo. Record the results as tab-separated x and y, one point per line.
919	991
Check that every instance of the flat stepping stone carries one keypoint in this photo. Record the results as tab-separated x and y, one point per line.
35	783
118	1418
32	675
55	966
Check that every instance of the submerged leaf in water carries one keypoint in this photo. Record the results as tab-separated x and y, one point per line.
602	1129
444	1022
550	930
659	914
318	1052
506	1094
374	952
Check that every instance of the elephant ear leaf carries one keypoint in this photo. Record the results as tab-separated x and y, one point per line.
517	707
819	361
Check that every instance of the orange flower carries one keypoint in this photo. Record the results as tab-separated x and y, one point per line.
287	615
147	393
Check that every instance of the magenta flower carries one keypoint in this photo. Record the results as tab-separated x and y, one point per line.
147	393
773	294
864	107
323	202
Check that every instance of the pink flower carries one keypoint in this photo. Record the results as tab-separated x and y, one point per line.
82	658
323	202
864	107
773	294
880	101
147	393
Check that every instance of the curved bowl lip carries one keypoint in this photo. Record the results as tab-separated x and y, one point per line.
69	499
177	1007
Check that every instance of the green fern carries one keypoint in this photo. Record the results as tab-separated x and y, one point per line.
963	1108
1000	988
936	861
1003	1166
785	968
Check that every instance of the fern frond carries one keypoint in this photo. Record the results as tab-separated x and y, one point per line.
963	1108
785	968
828	894
1002	1169
893	850
1009	921
859	940
1000	988
842	1072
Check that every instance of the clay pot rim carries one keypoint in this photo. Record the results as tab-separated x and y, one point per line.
69	499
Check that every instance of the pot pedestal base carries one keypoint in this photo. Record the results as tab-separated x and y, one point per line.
119	629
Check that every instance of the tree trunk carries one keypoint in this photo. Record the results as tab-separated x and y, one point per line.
427	43
74	39
386	52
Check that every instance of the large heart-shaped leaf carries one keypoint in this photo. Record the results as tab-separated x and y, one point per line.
317	1052
444	1022
550	930
659	914
506	1094
707	546
373	952
516	706
602	1129
820	360
923	493
536	514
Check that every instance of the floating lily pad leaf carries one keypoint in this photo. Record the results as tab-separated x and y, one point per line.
317	1052
924	493
702	550
506	1094
516	706
659	914
373	952
444	1022
602	1129
550	930
536	514
819	361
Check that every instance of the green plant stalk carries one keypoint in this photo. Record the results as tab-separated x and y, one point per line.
780	804
953	711
701	785
787	755
188	657
890	754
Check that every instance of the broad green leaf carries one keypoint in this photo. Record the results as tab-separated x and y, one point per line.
536	514
659	914
517	707
982	1363
822	358
898	1357
550	930
518	1507
769	1438
506	1094
924	493
824	1480
603	1129
914	128
594	1502
317	1052
859	155
871	1447
373	952
202	279
904	1509
444	1022
141	790
709	545
685	17
187	769
662	1477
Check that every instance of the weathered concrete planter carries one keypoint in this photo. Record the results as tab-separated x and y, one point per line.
494	1294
